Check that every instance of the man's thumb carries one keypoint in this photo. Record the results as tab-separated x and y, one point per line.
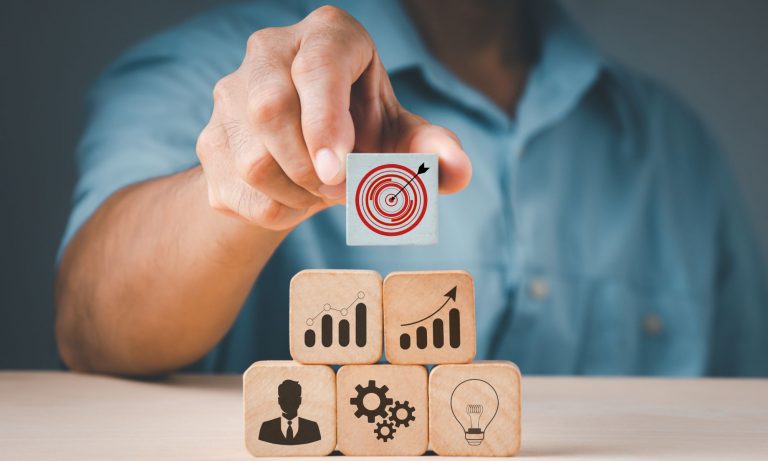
455	167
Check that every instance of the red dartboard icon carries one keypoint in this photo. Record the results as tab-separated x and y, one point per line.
391	200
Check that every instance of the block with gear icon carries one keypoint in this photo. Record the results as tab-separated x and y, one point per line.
381	410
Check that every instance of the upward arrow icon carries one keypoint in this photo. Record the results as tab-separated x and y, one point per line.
450	296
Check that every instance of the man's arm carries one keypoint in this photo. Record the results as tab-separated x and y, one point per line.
739	340
157	275
155	278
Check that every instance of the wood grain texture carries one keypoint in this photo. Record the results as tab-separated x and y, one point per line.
336	317
316	429
402	404
69	416
429	317
474	409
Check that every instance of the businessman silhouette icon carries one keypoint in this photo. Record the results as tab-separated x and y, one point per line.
289	429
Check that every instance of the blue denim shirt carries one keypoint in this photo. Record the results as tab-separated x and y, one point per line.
601	225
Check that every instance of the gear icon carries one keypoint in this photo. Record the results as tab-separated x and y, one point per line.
371	413
401	413
385	431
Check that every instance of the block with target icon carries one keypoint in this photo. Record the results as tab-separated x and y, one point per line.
381	410
335	317
392	199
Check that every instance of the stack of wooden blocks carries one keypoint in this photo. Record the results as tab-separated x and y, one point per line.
344	317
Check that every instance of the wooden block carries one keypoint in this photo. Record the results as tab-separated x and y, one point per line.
474	409
336	317
382	410
276	390
429	317
392	199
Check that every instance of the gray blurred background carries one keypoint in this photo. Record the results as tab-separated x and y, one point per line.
711	52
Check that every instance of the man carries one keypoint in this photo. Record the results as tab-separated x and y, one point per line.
289	429
600	225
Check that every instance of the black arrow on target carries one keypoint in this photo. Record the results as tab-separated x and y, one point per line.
422	169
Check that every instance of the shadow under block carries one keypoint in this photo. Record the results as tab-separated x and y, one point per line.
273	388
382	410
336	317
474	409
392	199
429	317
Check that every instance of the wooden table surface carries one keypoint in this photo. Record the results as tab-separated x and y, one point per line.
50	415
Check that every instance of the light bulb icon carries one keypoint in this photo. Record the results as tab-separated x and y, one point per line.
474	404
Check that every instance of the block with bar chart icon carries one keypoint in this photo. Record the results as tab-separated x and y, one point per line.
382	410
336	317
474	409
429	317
392	199
289	409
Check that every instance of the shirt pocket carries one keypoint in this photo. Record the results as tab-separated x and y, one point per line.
566	324
647	330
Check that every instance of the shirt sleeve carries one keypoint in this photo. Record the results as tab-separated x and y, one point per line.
145	112
711	230
739	338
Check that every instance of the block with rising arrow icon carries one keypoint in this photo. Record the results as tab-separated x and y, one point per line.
392	199
429	317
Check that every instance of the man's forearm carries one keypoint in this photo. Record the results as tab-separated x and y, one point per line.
155	278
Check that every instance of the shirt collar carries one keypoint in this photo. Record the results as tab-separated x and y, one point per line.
294	425
568	64
568	67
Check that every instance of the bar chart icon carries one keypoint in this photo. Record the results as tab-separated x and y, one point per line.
342	327
336	316
438	327
429	317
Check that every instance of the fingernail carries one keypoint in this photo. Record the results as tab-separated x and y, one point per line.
327	165
333	192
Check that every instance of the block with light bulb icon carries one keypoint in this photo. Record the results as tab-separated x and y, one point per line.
474	409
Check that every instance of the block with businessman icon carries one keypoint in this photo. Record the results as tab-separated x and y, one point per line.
289	409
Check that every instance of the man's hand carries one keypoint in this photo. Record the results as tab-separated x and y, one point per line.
273	154
304	96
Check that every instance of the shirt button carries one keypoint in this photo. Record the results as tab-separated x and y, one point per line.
538	288
653	325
